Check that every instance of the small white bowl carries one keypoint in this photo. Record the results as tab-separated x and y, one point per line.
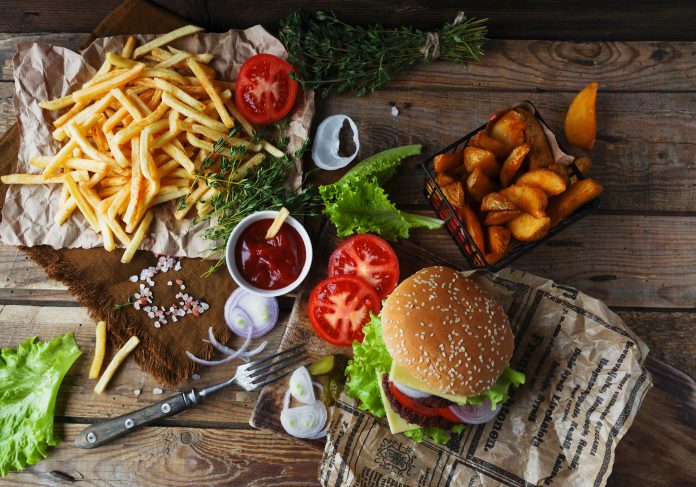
232	261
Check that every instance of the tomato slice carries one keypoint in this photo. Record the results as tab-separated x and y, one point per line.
417	407
264	91
340	306
369	257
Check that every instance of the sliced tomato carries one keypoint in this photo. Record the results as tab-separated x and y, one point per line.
264	91
369	257
419	408
340	306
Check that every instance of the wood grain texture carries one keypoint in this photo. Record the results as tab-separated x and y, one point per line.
535	19
177	456
632	261
77	399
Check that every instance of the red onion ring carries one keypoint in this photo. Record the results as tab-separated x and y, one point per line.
475	414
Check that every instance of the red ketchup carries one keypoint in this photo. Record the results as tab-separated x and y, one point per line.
273	263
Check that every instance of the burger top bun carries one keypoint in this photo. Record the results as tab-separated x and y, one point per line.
445	330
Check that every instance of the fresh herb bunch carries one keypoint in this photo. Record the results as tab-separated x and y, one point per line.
334	57
264	188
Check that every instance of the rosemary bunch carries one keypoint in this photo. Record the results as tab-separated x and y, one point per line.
264	188
334	57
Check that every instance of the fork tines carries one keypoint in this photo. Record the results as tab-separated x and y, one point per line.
274	367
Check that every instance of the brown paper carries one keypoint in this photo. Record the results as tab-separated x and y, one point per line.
585	383
43	72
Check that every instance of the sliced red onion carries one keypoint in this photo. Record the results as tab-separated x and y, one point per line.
304	421
229	358
475	413
301	386
327	142
244	309
412	393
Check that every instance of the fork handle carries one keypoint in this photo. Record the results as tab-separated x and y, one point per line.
106	431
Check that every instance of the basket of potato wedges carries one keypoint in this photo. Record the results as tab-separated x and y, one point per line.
508	186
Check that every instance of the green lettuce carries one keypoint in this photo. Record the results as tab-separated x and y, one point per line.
30	376
357	203
371	356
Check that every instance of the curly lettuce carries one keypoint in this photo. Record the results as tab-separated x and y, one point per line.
30	376
357	203
371	357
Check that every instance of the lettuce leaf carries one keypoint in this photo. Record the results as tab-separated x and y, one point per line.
371	356
356	203
30	376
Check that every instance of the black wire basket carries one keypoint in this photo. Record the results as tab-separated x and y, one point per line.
475	256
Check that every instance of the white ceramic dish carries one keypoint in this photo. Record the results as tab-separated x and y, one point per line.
232	261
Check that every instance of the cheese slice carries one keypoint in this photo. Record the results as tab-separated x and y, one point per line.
404	377
397	424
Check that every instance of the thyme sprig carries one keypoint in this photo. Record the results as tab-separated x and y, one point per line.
264	188
334	57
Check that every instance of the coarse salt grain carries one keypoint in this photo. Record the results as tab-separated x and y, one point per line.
157	391
136	392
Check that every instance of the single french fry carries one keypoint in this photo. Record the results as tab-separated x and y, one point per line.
164	73
128	47
57	103
198	143
168	193
165	39
59	159
244	169
99	350
115	119
109	191
137	186
179	156
248	128
107	235
115	364
173	60
135	128
190	200
30	179
63	119
65	210
277	223
204	57
82	204
198	71
271	149
137	238
127	103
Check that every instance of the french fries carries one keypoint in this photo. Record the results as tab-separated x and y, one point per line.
99	350
512	153
134	137
115	364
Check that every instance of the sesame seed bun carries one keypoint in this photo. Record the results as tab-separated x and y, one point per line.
447	331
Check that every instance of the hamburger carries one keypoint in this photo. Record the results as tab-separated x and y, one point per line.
436	359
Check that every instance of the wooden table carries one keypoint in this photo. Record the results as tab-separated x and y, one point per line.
636	253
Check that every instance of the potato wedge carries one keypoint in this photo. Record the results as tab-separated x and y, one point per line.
493	258
448	161
527	228
496	202
513	163
509	129
581	118
480	158
560	169
573	198
454	193
500	217
479	185
547	181
528	199
498	239
443	179
483	141
472	225
584	164
539	150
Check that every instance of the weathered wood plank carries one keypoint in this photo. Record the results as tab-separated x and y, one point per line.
538	19
631	261
508	64
642	157
231	407
670	336
177	457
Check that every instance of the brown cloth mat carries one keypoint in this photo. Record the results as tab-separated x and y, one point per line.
100	281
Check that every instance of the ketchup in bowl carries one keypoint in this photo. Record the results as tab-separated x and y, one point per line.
270	264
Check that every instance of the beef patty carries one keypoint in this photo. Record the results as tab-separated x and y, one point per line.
413	417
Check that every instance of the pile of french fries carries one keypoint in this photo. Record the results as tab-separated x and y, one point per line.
134	137
507	182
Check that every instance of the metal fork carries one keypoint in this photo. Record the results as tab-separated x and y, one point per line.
249	377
